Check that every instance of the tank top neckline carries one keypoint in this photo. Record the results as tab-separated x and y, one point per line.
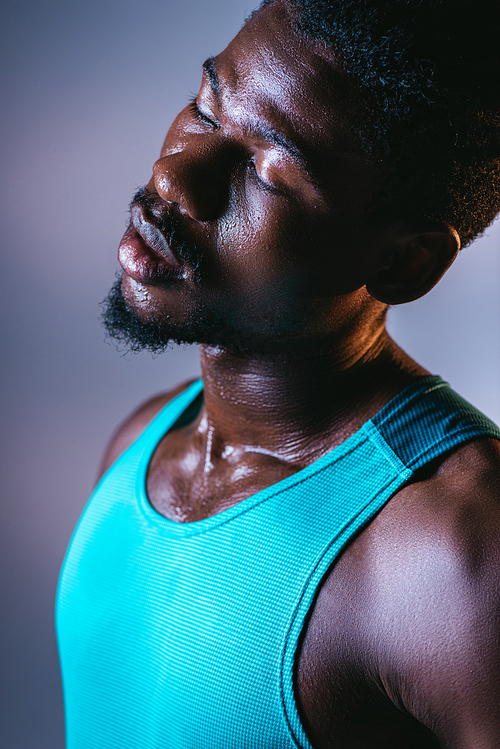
174	410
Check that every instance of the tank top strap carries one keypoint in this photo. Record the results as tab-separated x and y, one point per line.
427	420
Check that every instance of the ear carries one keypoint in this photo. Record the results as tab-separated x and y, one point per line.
414	261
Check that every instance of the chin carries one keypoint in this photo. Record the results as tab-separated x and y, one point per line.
128	328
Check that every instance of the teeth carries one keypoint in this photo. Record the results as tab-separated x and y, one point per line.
151	235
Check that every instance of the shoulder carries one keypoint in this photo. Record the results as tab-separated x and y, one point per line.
452	504
432	575
128	431
451	511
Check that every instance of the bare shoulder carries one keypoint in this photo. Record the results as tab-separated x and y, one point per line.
452	509
128	431
431	574
454	501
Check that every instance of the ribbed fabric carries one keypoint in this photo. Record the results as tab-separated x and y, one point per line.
184	635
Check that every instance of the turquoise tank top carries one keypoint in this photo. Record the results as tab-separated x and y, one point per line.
184	635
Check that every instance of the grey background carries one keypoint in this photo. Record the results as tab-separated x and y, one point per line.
88	90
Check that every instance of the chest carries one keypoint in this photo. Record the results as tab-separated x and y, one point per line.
184	485
334	697
207	618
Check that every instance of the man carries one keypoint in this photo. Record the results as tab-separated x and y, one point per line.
305	551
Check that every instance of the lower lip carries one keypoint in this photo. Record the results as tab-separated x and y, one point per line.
142	263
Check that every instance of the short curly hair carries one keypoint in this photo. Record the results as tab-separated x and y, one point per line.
429	73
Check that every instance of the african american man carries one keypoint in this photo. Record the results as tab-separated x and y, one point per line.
302	549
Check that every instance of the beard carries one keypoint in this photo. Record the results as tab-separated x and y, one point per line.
130	333
133	335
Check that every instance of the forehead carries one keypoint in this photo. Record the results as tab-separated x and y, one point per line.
270	70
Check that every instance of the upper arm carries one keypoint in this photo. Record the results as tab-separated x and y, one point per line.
131	428
440	613
453	683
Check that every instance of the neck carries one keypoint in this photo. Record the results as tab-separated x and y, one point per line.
296	406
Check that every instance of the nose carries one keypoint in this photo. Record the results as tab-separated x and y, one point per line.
197	178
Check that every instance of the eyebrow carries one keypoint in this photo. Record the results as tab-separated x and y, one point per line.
261	130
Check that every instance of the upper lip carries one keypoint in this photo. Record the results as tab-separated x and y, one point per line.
151	235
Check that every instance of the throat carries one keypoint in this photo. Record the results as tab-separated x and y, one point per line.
297	407
260	424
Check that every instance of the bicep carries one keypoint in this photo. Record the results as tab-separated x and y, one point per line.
451	679
464	694
437	596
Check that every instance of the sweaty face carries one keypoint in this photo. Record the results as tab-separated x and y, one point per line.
249	233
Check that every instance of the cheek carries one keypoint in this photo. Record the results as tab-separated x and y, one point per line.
287	251
271	249
258	242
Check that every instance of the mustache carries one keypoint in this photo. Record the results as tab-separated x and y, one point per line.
169	222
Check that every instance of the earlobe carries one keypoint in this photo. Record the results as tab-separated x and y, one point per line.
416	263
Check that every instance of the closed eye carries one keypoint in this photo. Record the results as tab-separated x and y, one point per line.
196	111
252	169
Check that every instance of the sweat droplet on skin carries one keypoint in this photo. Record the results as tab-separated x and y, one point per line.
142	292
